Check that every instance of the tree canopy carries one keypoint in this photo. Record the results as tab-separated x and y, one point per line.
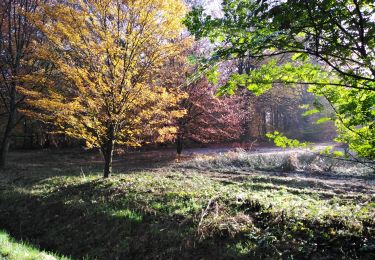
101	60
332	48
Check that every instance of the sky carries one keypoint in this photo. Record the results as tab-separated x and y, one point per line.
212	6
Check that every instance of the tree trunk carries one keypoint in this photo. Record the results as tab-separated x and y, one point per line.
179	143
5	145
108	153
264	123
5	142
108	161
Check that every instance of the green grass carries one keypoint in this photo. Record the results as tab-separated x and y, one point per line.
13	250
185	212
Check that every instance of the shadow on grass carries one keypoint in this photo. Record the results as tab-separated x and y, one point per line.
27	168
322	183
74	223
109	219
100	219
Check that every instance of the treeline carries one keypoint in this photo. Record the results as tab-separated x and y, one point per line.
244	118
108	74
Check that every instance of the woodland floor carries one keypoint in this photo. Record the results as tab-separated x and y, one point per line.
233	205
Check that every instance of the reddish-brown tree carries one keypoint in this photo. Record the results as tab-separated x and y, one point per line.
208	119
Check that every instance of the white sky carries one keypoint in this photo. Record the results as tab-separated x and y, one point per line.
212	7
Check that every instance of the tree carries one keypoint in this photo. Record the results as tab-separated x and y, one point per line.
16	46
100	80
282	109
208	119
333	48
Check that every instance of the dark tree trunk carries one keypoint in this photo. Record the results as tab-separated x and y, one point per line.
5	142
108	161
179	143
27	135
108	153
47	143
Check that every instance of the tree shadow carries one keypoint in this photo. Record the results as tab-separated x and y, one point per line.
323	184
85	221
25	168
100	219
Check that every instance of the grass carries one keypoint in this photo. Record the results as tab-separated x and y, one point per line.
13	250
197	209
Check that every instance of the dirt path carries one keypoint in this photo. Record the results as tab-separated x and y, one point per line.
76	162
254	149
348	184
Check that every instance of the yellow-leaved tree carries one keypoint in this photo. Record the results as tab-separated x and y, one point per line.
100	65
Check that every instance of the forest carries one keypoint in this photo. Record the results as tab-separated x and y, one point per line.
187	129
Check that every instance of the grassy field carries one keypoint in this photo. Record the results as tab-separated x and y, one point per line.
14	250
227	206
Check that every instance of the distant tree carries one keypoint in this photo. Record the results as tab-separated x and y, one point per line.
208	119
104	58
332	44
16	45
279	109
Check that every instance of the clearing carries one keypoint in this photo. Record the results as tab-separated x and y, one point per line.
214	206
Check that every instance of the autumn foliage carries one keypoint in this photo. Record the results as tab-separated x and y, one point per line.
127	73
101	60
209	119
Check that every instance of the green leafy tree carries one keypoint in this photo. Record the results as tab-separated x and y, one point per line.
332	48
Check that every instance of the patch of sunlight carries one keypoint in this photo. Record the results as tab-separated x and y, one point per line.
131	215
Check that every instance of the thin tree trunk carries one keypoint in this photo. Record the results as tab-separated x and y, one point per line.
5	142
179	143
264	123
108	153
25	137
108	161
